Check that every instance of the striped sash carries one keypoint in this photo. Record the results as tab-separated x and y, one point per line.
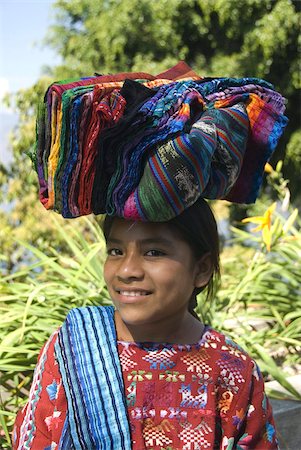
87	354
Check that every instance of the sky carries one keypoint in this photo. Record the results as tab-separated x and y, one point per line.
23	25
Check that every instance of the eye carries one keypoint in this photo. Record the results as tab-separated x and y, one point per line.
114	252
155	253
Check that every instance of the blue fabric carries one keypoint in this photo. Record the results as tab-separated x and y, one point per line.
65	440
87	354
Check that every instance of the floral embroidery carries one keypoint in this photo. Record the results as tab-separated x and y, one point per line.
52	390
238	418
225	402
131	396
53	422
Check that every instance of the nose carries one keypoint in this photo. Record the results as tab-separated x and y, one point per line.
130	268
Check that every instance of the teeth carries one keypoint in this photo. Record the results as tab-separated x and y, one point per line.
133	293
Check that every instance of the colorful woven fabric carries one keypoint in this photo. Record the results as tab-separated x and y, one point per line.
29	426
181	171
146	148
200	396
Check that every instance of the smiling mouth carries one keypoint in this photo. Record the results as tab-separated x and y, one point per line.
132	293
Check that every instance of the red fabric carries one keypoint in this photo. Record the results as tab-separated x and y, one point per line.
50	413
107	110
180	70
204	396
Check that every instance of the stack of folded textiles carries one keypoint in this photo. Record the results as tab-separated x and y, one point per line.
129	143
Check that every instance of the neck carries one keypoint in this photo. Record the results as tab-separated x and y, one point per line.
177	330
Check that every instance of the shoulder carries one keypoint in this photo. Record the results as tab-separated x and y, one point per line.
87	322
223	343
89	313
75	319
46	359
227	355
235	374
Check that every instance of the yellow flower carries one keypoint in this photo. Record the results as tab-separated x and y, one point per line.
268	168
264	225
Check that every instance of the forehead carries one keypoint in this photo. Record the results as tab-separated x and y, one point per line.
127	230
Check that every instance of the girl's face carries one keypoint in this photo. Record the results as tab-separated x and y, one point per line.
150	272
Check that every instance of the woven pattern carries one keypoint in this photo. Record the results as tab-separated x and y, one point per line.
28	428
209	394
91	373
146	148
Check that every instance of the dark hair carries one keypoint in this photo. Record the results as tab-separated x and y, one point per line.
196	226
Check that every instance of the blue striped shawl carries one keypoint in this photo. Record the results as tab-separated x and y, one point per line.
88	359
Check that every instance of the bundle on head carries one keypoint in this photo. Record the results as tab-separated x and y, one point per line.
147	148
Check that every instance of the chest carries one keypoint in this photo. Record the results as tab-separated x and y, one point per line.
175	397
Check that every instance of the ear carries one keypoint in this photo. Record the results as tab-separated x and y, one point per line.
204	270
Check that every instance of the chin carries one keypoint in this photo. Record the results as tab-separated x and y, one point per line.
133	316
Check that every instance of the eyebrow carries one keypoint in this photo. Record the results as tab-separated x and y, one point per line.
153	241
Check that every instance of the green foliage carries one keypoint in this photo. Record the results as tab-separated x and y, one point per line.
293	152
293	159
35	300
265	289
116	34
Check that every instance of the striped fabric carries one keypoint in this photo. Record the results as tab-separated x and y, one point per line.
146	148
177	171
87	354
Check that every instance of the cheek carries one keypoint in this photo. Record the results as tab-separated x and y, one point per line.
180	278
169	277
107	272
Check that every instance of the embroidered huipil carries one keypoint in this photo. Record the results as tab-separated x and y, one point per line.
209	395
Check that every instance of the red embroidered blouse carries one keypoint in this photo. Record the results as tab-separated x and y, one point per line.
209	395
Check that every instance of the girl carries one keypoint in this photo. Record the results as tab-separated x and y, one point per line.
184	385
146	373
